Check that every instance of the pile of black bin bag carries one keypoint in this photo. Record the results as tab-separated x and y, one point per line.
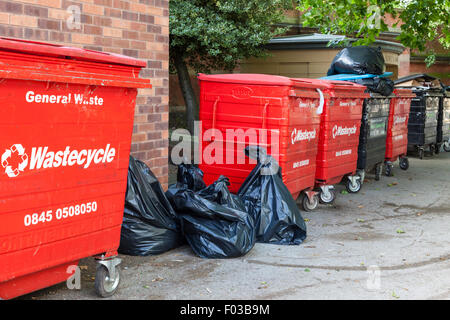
363	60
213	221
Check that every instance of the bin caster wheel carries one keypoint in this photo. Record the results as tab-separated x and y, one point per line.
353	187
310	205
105	285
388	170
328	196
378	170
421	153
404	163
437	149
447	146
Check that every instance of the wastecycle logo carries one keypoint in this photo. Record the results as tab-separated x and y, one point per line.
343	131
300	135
14	160
398	120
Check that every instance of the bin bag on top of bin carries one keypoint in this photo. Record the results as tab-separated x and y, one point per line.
277	217
150	224
383	86
213	221
358	60
374	83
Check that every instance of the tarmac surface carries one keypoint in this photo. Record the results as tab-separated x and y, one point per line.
390	241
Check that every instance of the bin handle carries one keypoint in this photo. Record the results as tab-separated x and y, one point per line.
265	115
321	102
213	135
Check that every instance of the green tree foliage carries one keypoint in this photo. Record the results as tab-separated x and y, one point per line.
422	20
215	34
210	35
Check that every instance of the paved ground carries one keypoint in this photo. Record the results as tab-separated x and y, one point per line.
391	241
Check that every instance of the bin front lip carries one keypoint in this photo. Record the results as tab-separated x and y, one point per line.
75	78
62	52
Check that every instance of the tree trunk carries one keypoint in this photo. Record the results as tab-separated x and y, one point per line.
192	108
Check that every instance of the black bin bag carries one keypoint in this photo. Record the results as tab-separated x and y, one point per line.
214	221
150	224
191	177
383	86
358	60
267	199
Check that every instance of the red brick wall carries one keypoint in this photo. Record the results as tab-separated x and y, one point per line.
136	28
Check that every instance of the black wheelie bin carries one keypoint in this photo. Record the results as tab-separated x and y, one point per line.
424	113
443	131
446	102
373	133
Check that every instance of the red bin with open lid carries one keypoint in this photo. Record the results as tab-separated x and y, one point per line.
275	112
66	123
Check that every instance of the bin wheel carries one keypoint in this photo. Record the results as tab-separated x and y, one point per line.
310	205
327	197
378	170
437	149
447	146
404	163
421	153
353	188
389	170
105	286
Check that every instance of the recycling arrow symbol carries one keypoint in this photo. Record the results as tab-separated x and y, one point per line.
6	156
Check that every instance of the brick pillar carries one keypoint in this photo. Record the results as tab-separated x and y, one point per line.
404	64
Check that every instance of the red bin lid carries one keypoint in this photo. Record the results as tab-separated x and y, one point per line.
60	51
404	93
339	84
261	79
247	78
337	88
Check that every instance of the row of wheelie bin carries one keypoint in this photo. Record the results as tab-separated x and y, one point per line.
429	123
323	132
444	136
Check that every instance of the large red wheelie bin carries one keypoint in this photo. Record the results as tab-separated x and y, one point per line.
277	113
66	121
339	137
397	132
